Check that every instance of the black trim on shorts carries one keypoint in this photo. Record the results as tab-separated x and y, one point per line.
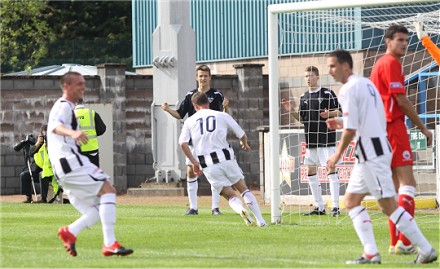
377	146
202	161
65	165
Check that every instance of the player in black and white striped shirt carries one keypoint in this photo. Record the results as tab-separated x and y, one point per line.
208	129
216	102
364	119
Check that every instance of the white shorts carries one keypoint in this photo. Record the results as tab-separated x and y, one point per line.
223	174
318	156
82	185
374	177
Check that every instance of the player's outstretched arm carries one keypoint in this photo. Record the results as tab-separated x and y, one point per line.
77	135
288	106
188	153
172	112
430	46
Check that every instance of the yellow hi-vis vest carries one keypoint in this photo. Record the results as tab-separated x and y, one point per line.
42	160
86	119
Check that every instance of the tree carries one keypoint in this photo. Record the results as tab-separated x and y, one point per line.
90	32
25	34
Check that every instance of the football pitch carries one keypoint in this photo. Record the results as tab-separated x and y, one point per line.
163	238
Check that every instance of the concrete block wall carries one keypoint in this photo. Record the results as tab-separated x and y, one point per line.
27	100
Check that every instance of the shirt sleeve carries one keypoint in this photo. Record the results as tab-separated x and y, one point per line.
350	109
185	135
184	106
99	125
394	78
62	113
217	104
431	48
334	103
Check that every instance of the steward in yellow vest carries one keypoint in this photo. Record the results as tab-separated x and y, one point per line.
42	160
91	123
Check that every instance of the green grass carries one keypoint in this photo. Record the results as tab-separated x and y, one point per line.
163	237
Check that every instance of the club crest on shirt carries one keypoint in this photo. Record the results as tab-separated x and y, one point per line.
406	155
396	85
210	99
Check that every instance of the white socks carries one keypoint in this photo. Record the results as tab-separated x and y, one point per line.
406	224
252	203
192	186
215	197
364	229
236	204
88	219
107	212
315	187
407	190
334	189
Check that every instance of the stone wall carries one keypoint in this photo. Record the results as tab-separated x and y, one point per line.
27	100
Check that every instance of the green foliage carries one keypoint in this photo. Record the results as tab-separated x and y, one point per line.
39	33
25	34
163	238
90	32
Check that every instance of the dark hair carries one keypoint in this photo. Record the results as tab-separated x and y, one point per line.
199	98
342	56
393	29
43	128
67	78
313	69
204	67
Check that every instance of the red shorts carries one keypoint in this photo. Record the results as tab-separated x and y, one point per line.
399	140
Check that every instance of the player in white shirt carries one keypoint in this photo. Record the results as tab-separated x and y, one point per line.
87	186
364	120
208	129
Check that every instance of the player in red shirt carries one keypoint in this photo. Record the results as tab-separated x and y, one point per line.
387	75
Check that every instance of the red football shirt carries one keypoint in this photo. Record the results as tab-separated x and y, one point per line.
387	76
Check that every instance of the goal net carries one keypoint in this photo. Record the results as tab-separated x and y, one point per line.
301	35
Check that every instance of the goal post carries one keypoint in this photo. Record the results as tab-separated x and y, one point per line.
345	18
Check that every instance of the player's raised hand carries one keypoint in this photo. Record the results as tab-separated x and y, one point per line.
419	28
225	102
165	106
287	104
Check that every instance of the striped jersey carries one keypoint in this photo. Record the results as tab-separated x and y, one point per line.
208	130
363	111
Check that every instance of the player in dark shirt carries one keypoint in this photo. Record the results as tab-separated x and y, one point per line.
316	105
186	108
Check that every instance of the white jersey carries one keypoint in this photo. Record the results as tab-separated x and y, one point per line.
208	129
63	150
363	111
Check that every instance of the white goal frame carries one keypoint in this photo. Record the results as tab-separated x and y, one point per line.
274	143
